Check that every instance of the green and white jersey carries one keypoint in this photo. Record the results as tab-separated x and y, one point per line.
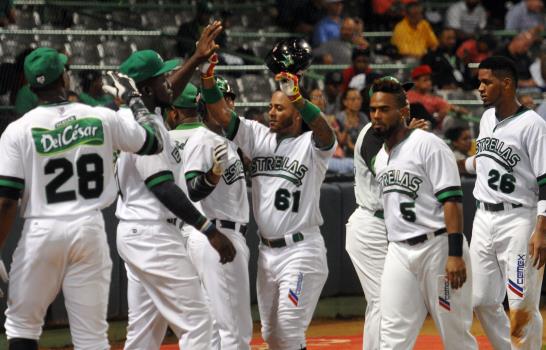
136	175
416	178
228	200
286	178
367	192
511	158
61	157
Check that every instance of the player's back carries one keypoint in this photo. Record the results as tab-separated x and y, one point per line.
66	161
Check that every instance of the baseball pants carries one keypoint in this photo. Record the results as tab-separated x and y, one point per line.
163	287
500	261
227	288
289	282
414	282
366	244
69	253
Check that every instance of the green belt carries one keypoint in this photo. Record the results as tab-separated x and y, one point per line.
379	214
281	242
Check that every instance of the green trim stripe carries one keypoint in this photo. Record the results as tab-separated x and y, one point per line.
233	126
191	174
541	180
448	194
150	137
159	178
12	184
186	126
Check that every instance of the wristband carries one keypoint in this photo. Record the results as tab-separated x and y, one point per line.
455	244
212	95
309	112
207	228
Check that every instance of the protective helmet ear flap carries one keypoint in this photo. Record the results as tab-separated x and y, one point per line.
291	55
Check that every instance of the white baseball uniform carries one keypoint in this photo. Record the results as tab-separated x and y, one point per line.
227	286
60	157
366	239
286	179
416	177
163	286
511	167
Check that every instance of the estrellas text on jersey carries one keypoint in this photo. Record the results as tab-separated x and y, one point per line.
279	166
501	153
234	172
400	181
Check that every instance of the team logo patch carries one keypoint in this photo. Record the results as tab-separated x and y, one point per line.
517	286
40	79
444	299
294	295
73	133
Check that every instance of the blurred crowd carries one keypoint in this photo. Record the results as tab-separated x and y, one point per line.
441	46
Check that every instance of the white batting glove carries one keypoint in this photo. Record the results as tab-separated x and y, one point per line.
121	86
3	276
289	84
207	68
220	159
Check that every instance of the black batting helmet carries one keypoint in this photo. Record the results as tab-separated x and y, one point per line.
289	55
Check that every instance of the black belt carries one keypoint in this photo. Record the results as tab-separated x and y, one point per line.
173	222
495	206
423	238
230	225
281	242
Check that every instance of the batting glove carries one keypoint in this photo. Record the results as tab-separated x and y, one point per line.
288	83
121	86
207	68
3	276
220	159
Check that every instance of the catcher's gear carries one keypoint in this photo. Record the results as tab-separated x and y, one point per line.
224	86
121	86
220	159
289	85
291	55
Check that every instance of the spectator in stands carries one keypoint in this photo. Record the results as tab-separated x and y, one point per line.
477	50
338	51
525	15
413	36
190	32
448	70
92	93
333	87
466	17
358	38
496	10
360	59
538	71
437	106
460	141
518	51
351	119
338	163
526	100
7	13
328	28
386	13
299	16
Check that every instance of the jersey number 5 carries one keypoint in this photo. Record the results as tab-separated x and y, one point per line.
282	200
90	172
507	181
407	213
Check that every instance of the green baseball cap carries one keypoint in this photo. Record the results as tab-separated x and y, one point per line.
224	87
43	66
145	64
188	97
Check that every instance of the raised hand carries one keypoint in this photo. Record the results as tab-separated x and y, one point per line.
206	45
121	86
289	84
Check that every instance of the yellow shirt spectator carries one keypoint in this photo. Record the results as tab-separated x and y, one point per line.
413	41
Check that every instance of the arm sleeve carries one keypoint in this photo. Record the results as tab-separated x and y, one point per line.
130	136
174	199
197	160
12	178
441	169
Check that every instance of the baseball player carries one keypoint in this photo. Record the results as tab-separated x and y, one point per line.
163	286
214	178
508	247
427	256
288	167
366	238
57	159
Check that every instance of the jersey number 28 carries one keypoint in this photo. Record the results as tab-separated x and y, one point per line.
90	171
